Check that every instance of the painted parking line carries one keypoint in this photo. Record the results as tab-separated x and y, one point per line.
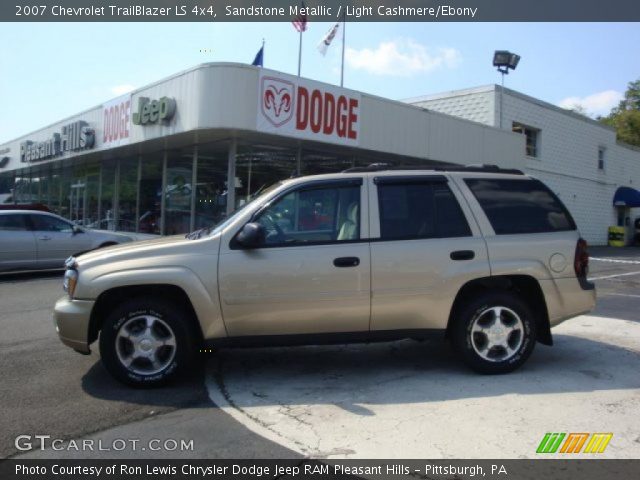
608	294
604	277
414	400
615	260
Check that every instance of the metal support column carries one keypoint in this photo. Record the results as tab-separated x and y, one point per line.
194	189
231	176
100	195
163	200
138	180
116	197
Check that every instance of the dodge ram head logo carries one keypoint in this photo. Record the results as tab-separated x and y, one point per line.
277	100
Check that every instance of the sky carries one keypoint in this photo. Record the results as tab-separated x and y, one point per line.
49	71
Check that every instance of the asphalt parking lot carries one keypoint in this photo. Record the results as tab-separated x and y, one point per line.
392	400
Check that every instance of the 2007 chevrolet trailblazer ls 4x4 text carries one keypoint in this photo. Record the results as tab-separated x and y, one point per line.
488	258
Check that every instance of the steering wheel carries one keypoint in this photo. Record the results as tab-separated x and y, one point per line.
270	222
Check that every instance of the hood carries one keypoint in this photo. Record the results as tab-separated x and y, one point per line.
144	248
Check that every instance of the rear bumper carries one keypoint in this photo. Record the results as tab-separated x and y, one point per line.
567	298
71	321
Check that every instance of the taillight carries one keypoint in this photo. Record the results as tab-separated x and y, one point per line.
581	262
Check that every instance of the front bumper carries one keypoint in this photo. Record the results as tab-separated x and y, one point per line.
71	320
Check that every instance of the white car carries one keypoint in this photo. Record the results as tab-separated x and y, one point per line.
34	240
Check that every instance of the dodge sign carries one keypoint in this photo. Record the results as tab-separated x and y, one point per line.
306	109
116	121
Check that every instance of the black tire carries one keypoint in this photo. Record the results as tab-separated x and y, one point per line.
474	338
130	319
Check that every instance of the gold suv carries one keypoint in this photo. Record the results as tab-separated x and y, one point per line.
489	259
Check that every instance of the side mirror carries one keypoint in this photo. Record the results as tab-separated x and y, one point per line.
252	235
76	229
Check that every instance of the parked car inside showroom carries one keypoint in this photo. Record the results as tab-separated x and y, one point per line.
36	240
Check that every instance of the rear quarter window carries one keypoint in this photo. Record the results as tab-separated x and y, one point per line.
520	206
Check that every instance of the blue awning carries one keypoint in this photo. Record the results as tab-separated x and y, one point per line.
626	197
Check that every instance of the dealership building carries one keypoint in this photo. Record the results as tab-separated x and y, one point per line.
184	152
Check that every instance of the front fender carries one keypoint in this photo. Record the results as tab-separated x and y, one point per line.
203	293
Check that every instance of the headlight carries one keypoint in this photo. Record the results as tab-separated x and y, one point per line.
70	277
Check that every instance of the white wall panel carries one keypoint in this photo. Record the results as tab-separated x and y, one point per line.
225	96
568	151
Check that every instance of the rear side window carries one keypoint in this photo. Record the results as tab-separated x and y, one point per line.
419	210
12	223
520	206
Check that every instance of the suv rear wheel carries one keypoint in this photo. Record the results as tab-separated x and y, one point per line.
494	333
146	342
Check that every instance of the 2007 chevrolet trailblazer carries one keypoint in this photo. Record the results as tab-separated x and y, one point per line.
488	258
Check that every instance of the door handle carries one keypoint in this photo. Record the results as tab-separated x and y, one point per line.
346	262
45	238
462	255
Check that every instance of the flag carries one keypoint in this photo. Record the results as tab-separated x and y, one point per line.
258	61
300	21
328	38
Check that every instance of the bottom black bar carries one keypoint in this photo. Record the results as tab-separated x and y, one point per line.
586	469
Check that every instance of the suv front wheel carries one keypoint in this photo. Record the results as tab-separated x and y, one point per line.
494	333
146	342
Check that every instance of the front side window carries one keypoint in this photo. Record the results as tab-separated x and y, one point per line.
520	206
12	223
313	215
45	223
419	210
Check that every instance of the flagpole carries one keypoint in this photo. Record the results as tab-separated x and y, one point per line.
300	53
344	28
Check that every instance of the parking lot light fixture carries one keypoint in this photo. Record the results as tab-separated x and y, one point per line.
504	60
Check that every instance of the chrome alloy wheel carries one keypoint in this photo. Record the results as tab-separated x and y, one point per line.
497	334
145	345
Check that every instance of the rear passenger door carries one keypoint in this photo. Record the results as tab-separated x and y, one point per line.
425	247
17	243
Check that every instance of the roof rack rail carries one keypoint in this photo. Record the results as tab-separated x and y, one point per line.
372	167
377	167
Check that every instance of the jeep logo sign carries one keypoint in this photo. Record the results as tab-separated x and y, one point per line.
307	109
154	111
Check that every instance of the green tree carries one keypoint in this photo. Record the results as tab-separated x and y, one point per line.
579	109
625	118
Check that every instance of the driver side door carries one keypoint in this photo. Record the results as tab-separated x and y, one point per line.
56	240
312	273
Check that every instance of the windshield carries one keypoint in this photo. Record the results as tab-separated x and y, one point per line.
222	225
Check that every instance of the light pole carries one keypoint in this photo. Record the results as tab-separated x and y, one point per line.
504	60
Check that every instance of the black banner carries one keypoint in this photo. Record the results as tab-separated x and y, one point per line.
319	10
590	469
